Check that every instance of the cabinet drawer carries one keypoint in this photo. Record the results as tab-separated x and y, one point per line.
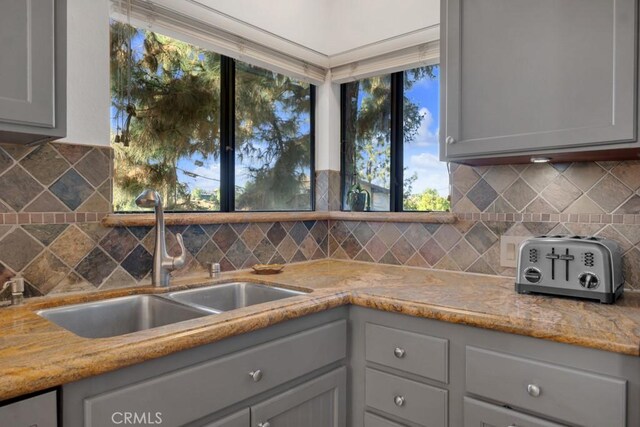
37	411
191	393
481	414
371	420
565	394
239	419
419	403
408	351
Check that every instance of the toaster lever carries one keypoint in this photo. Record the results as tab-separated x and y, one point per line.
566	257
553	256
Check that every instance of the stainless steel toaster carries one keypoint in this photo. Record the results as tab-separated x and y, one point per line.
576	266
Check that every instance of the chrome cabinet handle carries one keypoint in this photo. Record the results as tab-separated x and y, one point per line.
399	352
399	400
512	425
450	140
533	390
264	424
256	376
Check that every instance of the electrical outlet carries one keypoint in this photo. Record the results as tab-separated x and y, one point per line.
510	249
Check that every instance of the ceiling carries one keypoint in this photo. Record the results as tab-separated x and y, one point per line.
323	32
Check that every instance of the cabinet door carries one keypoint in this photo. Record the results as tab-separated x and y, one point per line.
239	419
38	411
522	76
481	414
27	39
320	402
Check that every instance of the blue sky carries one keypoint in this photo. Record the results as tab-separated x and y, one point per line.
421	155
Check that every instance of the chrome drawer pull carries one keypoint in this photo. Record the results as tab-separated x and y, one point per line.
399	400
264	424
256	376
533	390
399	352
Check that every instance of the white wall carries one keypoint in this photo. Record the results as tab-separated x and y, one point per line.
329	27
88	96
357	23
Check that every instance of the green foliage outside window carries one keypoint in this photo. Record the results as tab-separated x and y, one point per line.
175	132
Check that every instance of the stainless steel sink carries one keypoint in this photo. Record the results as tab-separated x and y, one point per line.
119	316
230	296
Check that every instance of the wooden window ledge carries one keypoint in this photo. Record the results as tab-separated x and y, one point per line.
134	220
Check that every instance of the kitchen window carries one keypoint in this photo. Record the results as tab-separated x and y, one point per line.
209	132
389	128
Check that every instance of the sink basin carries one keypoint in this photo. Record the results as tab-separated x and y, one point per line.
231	295
120	316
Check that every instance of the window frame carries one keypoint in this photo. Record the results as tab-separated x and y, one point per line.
227	144
396	142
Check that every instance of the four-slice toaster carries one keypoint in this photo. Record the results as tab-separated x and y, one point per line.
576	266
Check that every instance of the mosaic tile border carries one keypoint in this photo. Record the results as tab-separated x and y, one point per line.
546	217
51	217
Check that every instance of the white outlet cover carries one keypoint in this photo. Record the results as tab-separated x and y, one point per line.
510	249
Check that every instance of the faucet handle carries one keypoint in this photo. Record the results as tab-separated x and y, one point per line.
17	284
179	261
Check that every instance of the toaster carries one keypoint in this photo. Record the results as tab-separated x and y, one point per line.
575	266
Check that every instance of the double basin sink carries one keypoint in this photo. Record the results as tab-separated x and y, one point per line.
119	316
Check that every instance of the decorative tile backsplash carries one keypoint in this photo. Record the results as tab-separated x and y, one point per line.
52	198
593	198
327	190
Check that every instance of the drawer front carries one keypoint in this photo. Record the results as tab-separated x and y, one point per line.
371	420
191	393
418	402
481	414
408	351
239	419
39	411
567	394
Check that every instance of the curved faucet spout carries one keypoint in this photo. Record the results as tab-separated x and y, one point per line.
163	264
179	261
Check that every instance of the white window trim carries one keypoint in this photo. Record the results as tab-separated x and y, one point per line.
413	57
158	18
352	65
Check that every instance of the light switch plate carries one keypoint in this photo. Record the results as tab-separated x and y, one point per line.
509	250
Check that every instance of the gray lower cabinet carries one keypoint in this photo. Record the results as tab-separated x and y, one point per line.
320	402
525	78
456	375
482	414
555	391
33	83
410	400
279	372
37	411
371	420
238	419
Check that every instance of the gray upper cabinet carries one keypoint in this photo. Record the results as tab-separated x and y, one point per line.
32	83
525	78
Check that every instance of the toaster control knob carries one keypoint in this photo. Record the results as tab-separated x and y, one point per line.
589	280
532	275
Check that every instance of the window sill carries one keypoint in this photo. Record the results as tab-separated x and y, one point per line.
135	220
